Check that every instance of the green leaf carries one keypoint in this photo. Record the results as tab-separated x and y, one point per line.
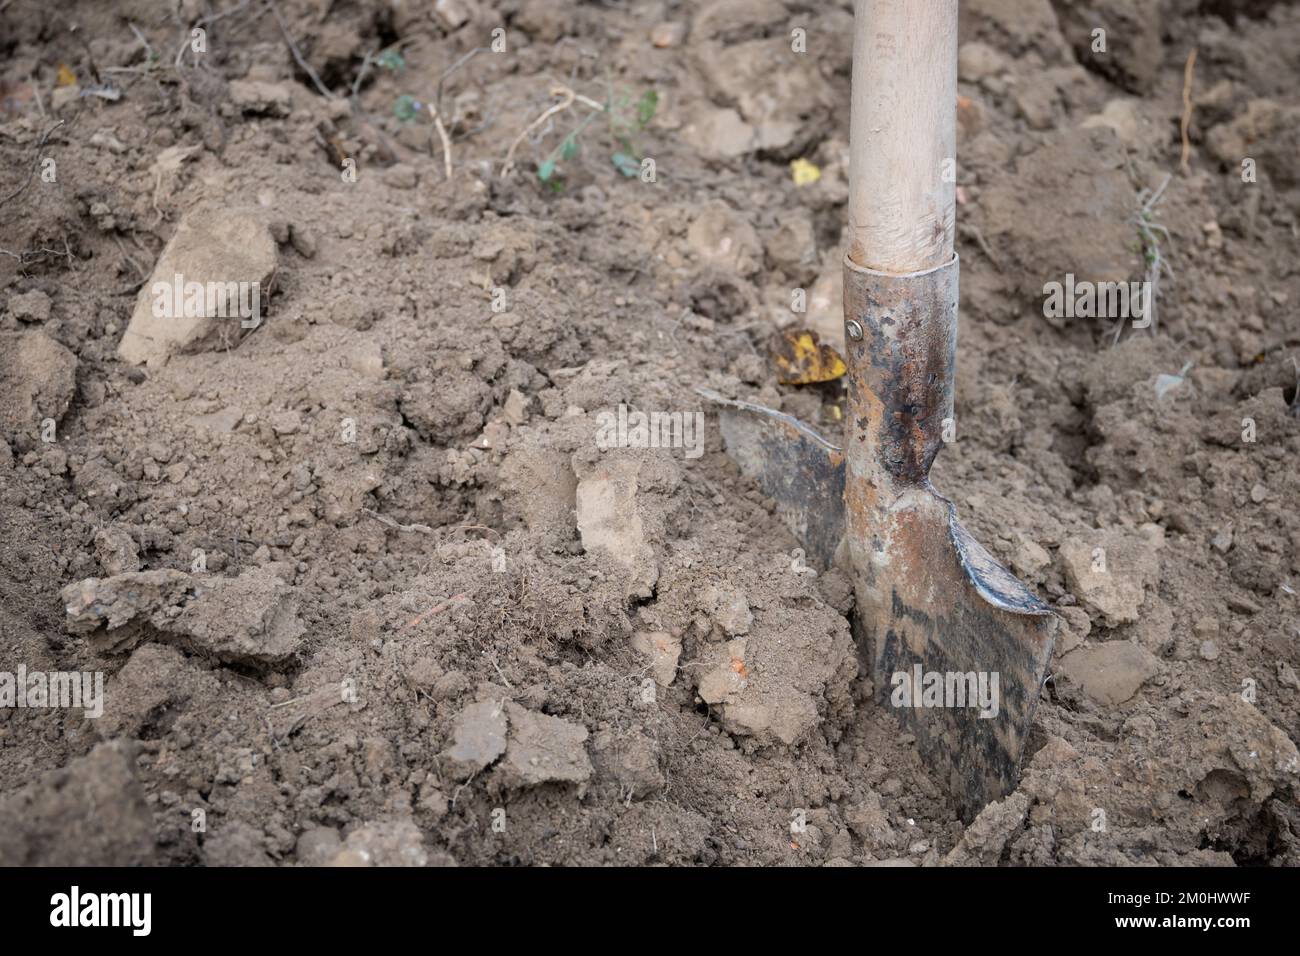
391	60
546	170
406	108
569	148
629	166
646	106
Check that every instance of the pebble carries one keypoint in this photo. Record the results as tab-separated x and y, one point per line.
669	34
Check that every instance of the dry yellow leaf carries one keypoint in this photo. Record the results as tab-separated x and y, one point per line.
65	76
801	359
804	172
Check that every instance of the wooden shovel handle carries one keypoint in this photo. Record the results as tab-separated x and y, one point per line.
903	134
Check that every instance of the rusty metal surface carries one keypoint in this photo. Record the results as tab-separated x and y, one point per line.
927	593
793	465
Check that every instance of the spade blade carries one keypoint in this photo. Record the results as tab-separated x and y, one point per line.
793	465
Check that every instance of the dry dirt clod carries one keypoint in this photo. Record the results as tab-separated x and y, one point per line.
1112	571
213	248
33	306
255	97
116	550
774	683
718	133
251	619
37	382
985	839
622	505
89	813
631	759
543	749
389	843
1109	673
478	739
662	651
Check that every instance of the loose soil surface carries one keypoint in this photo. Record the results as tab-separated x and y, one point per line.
363	584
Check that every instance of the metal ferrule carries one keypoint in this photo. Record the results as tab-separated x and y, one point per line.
901	368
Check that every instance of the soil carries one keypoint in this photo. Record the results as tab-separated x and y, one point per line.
365	588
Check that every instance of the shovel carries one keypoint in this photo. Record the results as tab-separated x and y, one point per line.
957	646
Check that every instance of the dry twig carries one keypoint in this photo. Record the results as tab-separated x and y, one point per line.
1186	123
37	161
297	54
567	99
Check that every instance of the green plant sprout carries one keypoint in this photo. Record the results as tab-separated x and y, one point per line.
407	108
391	60
626	118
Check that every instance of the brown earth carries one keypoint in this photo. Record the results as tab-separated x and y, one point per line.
365	588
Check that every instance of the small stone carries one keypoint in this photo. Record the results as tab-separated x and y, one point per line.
1037	104
1209	651
722	237
668	34
433	799
451	13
